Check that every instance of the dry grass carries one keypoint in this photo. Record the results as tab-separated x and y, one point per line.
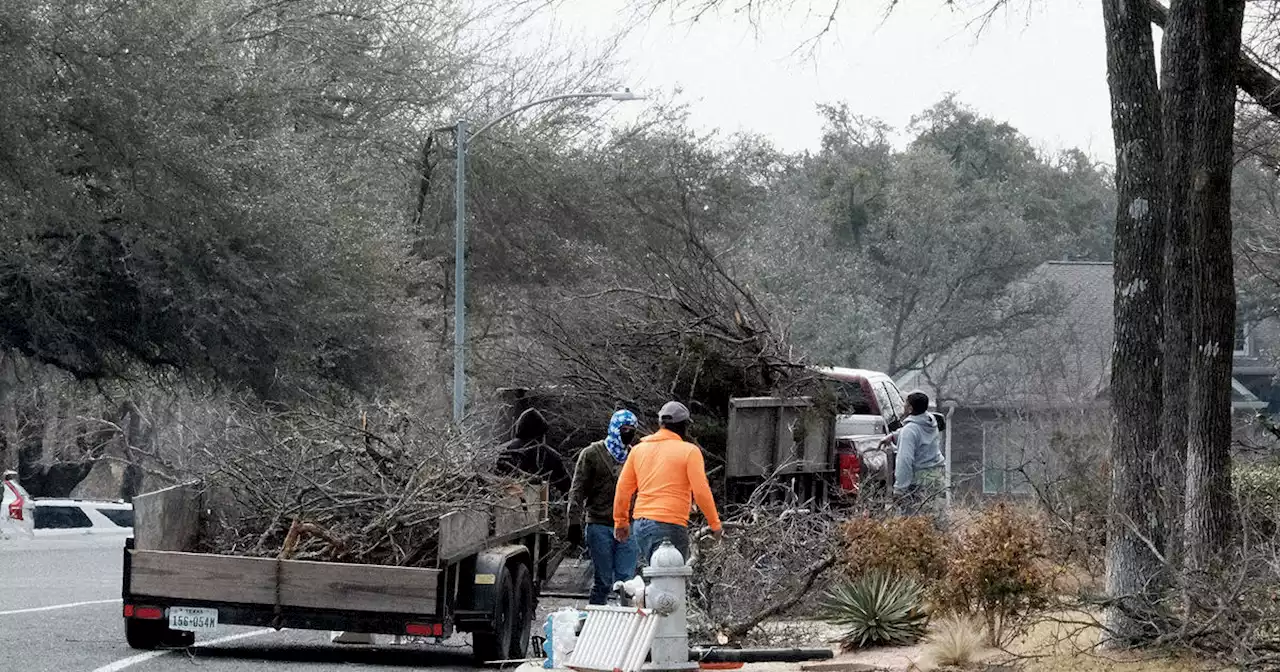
1118	663
1068	642
955	641
1051	646
1071	579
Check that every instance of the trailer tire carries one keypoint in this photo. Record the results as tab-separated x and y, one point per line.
495	643
525	605
150	635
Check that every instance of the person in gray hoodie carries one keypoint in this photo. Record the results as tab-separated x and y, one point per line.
917	472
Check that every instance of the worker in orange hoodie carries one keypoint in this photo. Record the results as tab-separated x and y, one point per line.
662	471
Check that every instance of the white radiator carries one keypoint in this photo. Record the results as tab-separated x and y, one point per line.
614	639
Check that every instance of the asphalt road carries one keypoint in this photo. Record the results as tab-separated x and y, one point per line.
60	612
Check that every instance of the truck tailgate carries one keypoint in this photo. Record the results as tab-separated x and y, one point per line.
206	577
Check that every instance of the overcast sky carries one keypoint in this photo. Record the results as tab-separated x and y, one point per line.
1041	66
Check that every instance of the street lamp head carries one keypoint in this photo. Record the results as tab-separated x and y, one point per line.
625	94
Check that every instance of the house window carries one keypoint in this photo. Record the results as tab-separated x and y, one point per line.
1005	463
992	466
1244	339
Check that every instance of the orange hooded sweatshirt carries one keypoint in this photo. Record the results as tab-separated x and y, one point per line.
665	470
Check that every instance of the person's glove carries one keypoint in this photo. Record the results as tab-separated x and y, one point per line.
574	537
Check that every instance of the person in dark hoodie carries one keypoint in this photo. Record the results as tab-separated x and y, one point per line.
917	471
595	478
528	453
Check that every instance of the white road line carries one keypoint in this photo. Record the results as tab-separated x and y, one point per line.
56	607
126	663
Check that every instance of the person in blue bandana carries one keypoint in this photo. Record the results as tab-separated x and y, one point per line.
594	480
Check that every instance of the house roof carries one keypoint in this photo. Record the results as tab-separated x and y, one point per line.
1063	360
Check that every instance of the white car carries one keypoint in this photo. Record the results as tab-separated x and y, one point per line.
69	517
16	507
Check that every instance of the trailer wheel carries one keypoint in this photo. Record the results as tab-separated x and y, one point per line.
495	643
149	635
523	614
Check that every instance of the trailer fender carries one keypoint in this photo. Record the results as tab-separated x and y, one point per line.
491	564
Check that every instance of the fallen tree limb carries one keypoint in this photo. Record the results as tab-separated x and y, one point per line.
811	573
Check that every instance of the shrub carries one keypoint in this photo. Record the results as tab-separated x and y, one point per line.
955	641
911	546
994	572
1257	489
1076	490
877	608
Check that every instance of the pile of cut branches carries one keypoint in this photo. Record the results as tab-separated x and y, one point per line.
368	488
786	548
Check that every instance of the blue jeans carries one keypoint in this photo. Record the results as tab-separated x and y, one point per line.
649	535
610	560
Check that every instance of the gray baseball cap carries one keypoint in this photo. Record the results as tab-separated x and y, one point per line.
673	411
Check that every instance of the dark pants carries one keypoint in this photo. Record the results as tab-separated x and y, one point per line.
649	535
610	560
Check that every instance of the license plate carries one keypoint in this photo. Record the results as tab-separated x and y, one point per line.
192	619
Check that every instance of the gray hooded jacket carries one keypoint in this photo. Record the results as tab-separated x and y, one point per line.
918	448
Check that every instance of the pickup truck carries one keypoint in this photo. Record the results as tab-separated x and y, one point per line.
484	580
868	402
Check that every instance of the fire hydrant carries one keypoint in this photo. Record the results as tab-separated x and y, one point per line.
666	595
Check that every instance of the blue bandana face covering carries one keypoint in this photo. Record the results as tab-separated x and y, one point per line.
614	441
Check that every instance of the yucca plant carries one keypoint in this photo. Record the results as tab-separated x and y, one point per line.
878	608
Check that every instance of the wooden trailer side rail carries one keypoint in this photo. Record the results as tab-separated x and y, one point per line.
521	512
292	583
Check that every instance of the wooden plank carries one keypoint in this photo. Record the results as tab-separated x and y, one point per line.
315	585
752	435
332	585
460	532
200	576
788	453
813	452
538	498
761	457
168	519
509	511
768	402
820	442
737	443
521	507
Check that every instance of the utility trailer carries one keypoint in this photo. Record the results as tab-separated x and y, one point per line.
787	439
487	572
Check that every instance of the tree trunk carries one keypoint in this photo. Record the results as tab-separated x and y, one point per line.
10	441
1251	76
1209	500
1179	69
1134	571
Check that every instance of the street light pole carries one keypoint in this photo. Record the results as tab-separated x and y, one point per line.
460	272
462	142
